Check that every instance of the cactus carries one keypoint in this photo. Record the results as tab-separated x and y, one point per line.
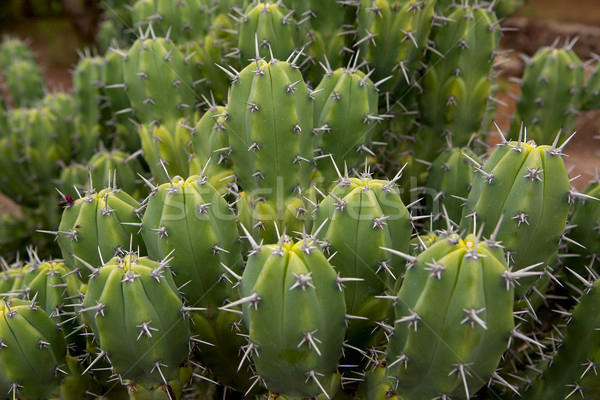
551	94
449	182
94	228
158	81
270	104
326	23
522	197
294	308
123	130
207	54
13	49
345	111
591	90
176	213
25	83
585	230
113	168
453	319
505	8
168	151
572	369
182	208
358	218
180	21
457	83
210	145
269	125
133	309
33	349
267	29
392	36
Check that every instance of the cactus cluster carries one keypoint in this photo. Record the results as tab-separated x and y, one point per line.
293	199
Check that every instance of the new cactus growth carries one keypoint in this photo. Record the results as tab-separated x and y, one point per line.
293	306
453	319
210	145
521	196
448	184
551	93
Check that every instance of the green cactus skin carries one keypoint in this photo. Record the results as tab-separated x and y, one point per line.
266	220
158	82
506	8
377	385
269	128
333	392
325	22
32	350
572	370
551	94
210	146
271	27
88	92
294	309
25	83
270	133
123	130
591	90
114	168
63	109
357	218
189	221
96	226
37	146
453	320
449	180
168	151
50	283
133	309
458	83
13	49
14	235
181	21
207	54
392	35
586	227
11	278
345	111
521	195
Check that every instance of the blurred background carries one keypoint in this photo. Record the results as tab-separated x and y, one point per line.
57	29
